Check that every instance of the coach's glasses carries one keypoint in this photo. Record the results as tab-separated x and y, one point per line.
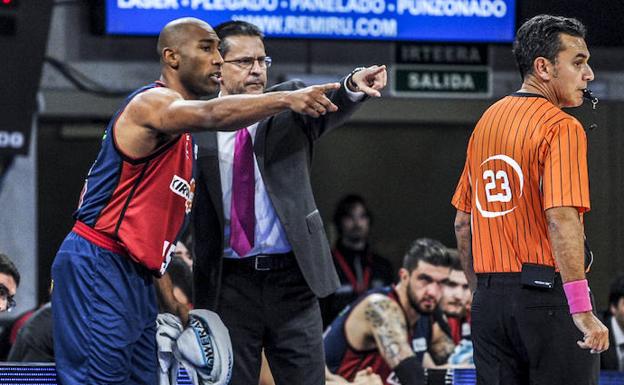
247	63
6	299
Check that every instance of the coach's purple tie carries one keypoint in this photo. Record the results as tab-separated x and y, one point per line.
242	214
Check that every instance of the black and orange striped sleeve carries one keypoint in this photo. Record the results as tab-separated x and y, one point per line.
565	176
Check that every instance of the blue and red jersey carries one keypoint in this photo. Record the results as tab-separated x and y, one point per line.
138	206
344	360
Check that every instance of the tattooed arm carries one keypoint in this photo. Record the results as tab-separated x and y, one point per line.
464	247
388	326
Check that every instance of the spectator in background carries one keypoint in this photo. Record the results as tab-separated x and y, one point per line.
34	341
183	250
9	281
455	299
31	336
613	358
358	267
455	305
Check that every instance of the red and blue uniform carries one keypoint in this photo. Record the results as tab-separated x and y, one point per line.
130	215
140	205
344	360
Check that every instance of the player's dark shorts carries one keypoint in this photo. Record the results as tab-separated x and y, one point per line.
104	309
525	335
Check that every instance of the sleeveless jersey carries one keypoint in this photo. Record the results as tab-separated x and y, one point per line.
138	207
344	360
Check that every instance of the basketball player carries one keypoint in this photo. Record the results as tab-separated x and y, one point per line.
393	330
136	201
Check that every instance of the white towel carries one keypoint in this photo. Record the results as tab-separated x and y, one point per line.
168	329
203	348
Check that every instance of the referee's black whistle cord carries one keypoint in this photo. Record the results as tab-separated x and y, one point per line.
587	94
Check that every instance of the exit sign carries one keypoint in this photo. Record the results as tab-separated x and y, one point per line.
442	81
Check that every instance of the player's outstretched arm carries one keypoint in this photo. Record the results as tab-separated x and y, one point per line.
566	237
165	111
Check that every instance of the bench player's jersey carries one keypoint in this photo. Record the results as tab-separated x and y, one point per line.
140	205
346	361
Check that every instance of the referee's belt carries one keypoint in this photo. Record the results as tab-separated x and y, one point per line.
262	262
506	279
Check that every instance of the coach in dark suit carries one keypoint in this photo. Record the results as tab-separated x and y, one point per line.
613	358
261	253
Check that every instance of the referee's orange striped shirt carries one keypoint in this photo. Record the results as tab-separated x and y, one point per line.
524	156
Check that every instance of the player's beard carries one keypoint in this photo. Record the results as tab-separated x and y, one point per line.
415	303
457	314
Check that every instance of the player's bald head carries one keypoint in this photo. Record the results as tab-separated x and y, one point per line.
176	32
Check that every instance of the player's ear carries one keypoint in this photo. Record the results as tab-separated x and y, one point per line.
403	274
171	57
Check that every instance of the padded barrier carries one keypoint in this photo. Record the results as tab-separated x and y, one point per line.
44	374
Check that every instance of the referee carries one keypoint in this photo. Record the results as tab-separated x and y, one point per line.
520	203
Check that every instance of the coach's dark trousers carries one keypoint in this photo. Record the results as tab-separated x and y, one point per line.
275	309
526	336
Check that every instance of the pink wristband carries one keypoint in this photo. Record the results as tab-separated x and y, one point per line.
577	293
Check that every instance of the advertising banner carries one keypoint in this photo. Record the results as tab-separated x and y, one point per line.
396	20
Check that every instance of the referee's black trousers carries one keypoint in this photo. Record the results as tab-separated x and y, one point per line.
526	336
